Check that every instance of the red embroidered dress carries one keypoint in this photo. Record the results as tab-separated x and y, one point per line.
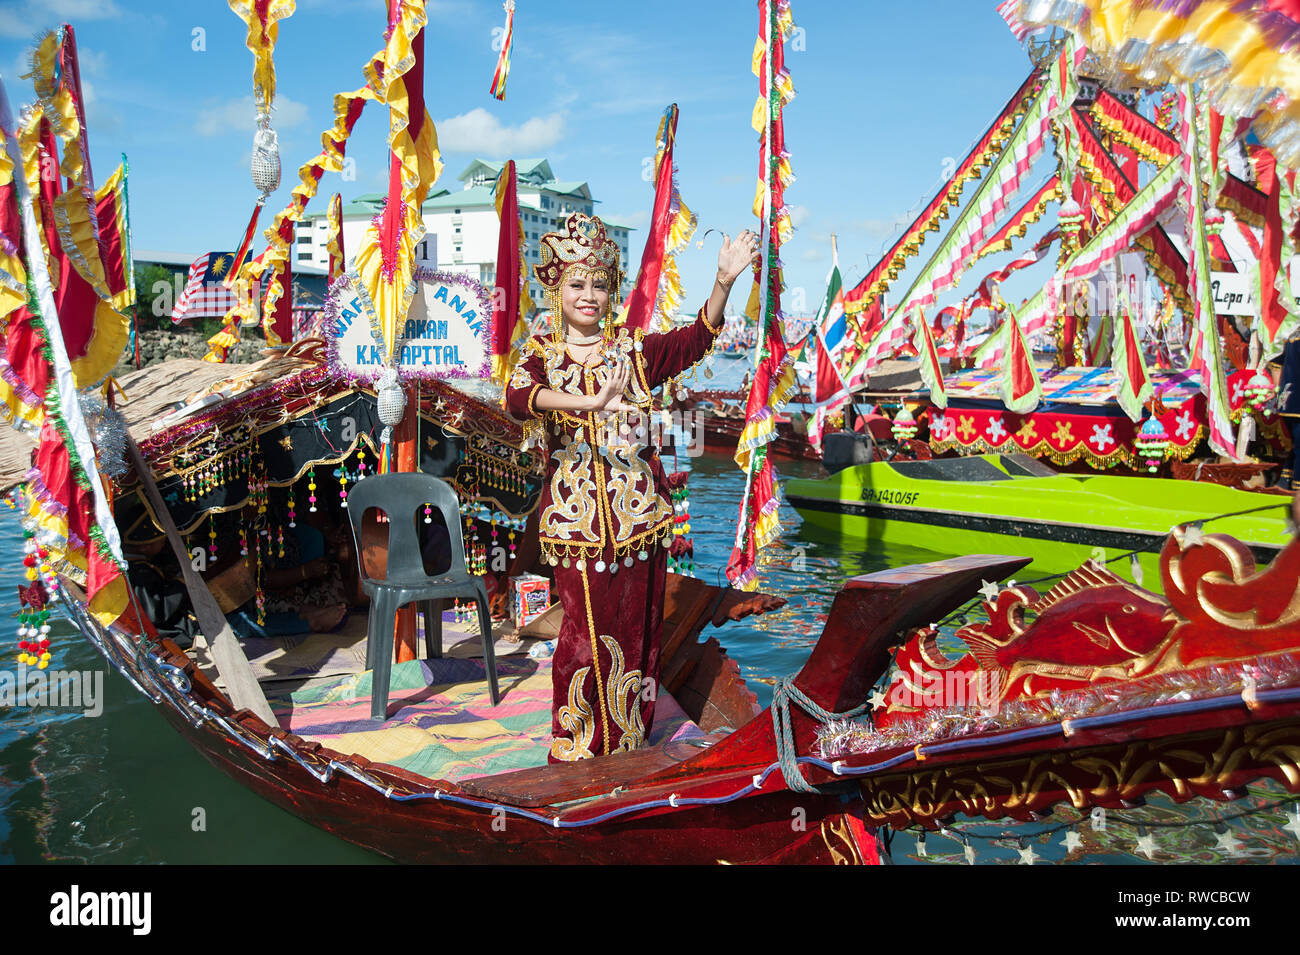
606	519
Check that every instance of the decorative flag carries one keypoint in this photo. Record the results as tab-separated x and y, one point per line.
509	330
655	298
502	72
386	260
974	225
94	332
1020	387
773	380
115	237
831	319
262	18
334	242
1207	358
68	509
931	372
1010	12
205	294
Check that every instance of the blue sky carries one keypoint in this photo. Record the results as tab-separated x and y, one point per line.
886	93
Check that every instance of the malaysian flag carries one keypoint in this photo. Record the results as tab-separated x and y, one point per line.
205	296
1010	11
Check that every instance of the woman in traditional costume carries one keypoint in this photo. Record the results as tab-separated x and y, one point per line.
606	515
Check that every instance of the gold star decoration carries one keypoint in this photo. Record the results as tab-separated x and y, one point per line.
1028	432
430	443
218	266
966	427
1062	434
287	442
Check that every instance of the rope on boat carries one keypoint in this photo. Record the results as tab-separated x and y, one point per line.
783	694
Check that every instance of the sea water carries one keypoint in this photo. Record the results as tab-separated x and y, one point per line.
123	787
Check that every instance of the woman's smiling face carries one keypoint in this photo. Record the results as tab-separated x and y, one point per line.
584	299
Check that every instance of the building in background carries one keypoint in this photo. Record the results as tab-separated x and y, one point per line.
461	225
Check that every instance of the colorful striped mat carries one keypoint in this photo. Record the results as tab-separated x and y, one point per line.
441	723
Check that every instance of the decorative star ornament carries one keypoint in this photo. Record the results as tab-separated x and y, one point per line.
1191	536
877	700
1147	845
989	589
1072	840
1294	825
1027	855
1227	841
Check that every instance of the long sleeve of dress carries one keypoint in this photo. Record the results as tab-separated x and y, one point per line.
528	378
671	353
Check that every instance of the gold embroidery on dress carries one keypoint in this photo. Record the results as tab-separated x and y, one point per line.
624	691
576	719
572	512
521	378
632	496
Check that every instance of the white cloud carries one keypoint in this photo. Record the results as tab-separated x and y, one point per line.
25	18
216	117
636	219
481	133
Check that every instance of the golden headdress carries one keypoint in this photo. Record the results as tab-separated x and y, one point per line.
582	243
584	246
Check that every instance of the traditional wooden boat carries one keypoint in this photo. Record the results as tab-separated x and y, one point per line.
1200	687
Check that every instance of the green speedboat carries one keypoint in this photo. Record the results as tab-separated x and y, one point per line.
1015	504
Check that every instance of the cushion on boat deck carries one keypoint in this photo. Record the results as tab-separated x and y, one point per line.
441	722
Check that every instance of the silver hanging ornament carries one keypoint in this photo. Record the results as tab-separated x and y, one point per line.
266	153
392	402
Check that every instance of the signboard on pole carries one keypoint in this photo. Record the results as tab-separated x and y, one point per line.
445	334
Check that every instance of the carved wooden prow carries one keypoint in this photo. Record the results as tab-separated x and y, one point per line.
874	612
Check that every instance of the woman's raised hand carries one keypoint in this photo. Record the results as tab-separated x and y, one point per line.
610	396
735	257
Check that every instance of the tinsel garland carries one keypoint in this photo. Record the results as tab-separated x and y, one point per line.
840	739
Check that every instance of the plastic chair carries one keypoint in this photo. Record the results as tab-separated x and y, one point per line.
402	497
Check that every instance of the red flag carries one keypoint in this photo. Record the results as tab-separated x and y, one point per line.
506	295
829	382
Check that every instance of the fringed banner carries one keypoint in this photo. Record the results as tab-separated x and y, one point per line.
931	371
115	237
655	298
386	259
1021	220
774	379
502	72
262	18
70	509
979	218
985	151
1133	388
509	330
347	110
1207	357
95	332
334	241
1244	53
1021	389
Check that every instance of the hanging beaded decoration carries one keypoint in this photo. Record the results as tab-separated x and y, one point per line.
292	516
311	486
33	618
341	472
428	514
212	537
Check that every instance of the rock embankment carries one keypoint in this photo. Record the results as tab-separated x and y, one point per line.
164	345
